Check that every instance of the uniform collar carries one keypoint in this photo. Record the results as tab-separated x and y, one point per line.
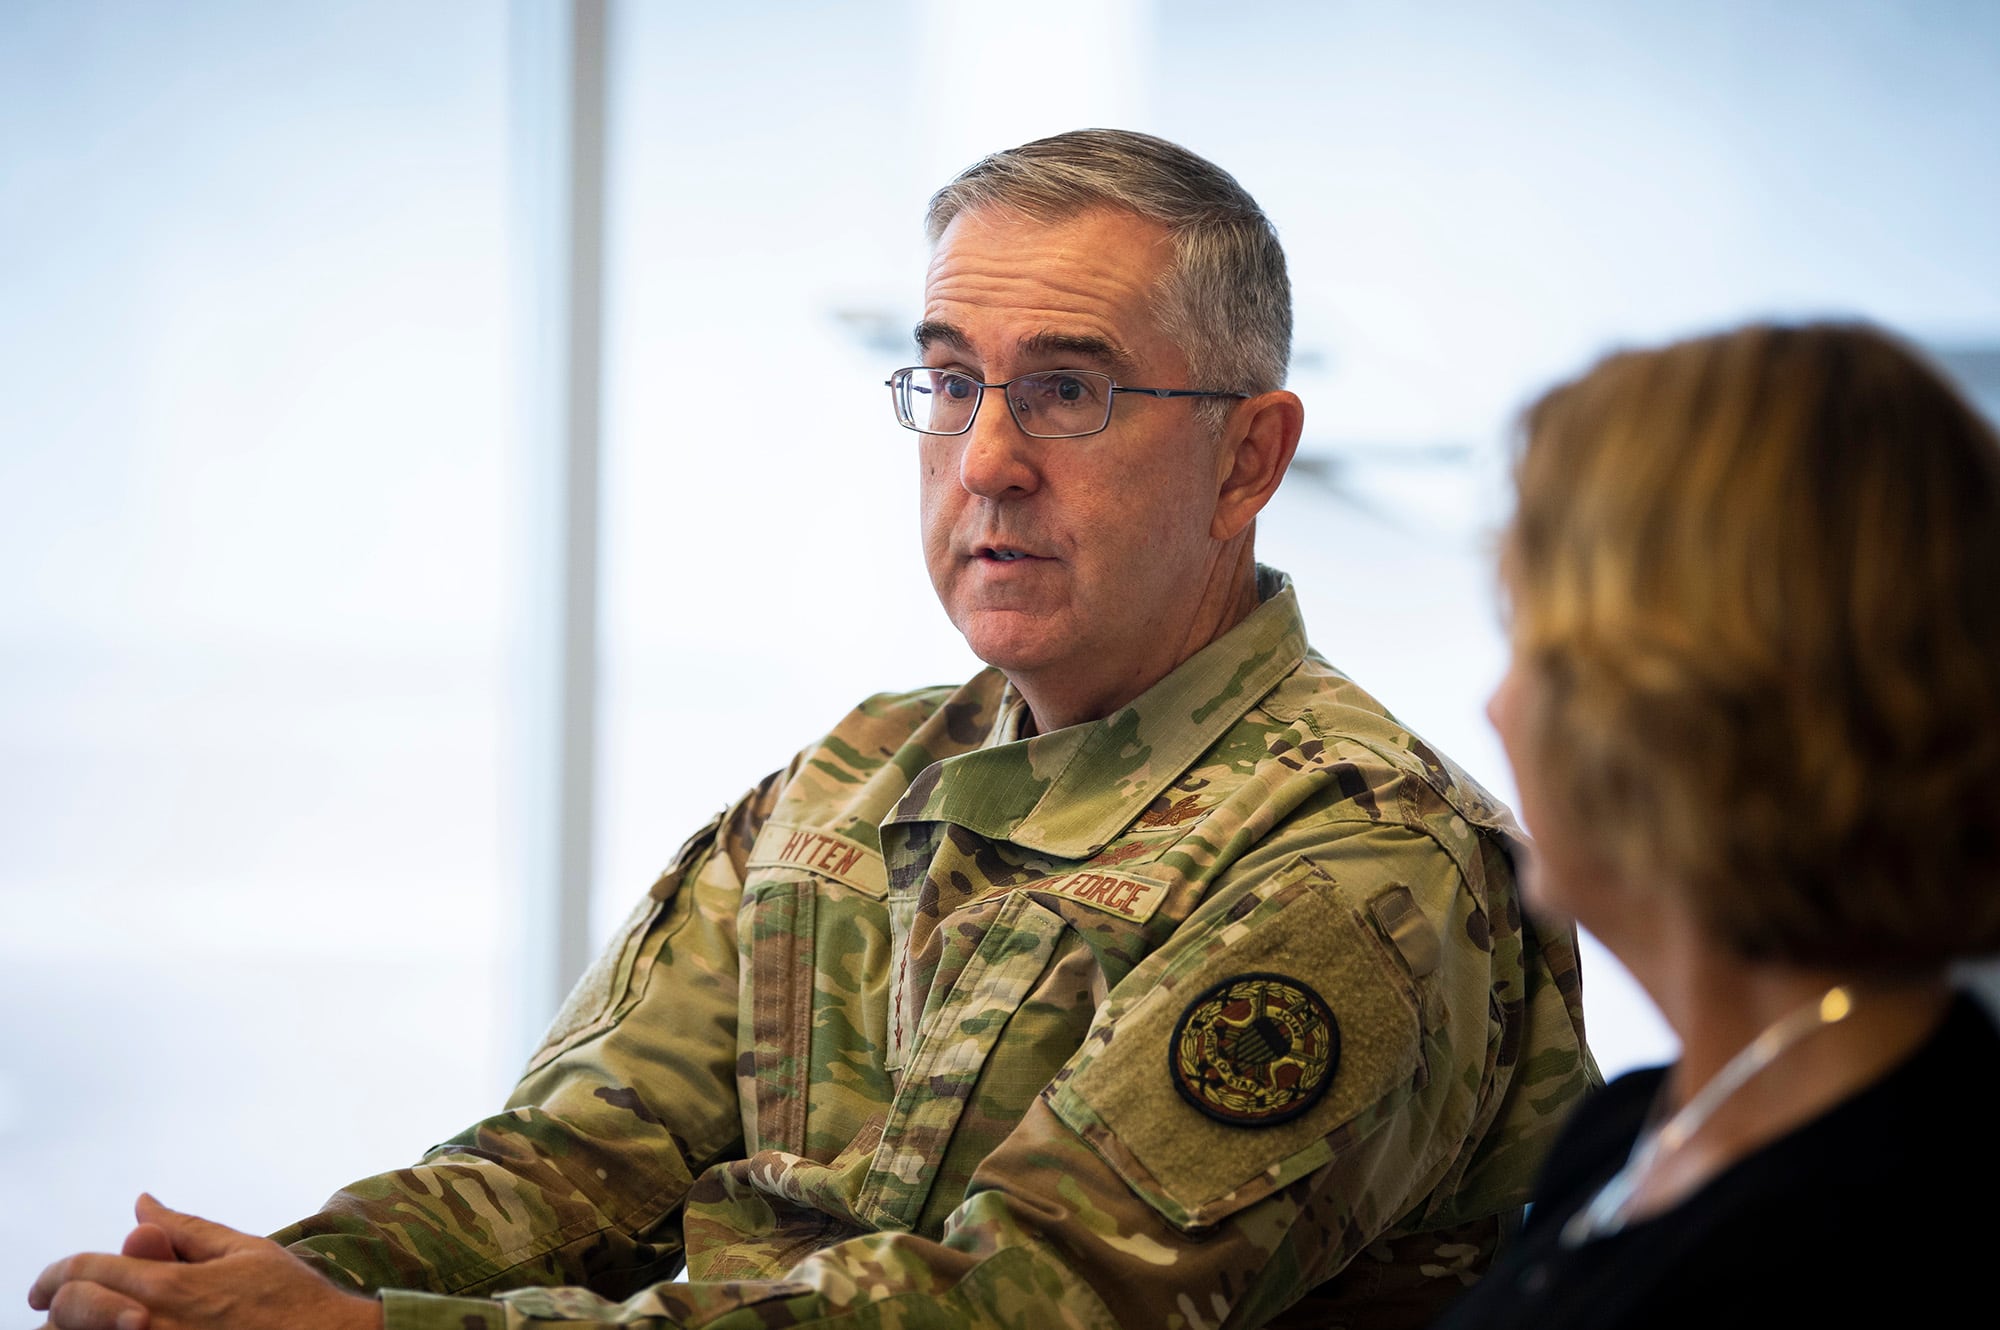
1070	792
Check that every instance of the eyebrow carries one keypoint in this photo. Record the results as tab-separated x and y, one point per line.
932	331
1101	350
1098	350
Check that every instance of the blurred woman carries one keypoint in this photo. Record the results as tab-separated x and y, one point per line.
1754	709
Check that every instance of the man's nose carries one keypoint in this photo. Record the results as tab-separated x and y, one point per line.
998	460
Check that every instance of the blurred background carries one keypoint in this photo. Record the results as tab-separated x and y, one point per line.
443	456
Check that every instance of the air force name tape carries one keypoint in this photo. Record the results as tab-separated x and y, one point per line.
1255	1050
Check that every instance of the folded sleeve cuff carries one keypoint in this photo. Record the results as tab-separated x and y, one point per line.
404	1310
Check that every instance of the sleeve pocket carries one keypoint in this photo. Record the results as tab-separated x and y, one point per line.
598	997
1196	1170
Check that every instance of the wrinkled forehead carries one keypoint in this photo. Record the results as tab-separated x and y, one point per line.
1006	287
1135	237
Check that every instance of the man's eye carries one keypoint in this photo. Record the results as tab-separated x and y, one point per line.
1070	390
956	388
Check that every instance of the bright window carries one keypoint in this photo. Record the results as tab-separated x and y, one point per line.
251	404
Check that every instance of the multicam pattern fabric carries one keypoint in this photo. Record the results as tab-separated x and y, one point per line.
889	1043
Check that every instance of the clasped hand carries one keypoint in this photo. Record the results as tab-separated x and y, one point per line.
179	1272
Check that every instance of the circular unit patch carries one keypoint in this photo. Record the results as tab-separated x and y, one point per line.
1255	1050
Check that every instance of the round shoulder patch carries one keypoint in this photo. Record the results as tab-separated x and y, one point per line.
1255	1050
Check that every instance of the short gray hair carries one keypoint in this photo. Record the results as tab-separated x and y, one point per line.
1225	301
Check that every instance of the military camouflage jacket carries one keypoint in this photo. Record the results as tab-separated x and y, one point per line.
1170	1019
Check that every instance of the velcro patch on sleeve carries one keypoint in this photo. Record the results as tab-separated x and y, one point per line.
1195	1165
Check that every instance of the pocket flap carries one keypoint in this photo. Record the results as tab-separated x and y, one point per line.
1205	1095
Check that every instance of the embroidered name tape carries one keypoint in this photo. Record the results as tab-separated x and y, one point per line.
827	853
1115	893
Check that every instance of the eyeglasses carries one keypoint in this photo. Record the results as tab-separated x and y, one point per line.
1048	404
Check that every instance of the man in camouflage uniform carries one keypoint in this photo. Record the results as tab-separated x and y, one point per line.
1154	977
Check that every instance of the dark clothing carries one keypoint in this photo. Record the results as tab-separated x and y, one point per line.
1883	1211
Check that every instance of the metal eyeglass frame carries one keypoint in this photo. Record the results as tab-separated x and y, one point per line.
896	381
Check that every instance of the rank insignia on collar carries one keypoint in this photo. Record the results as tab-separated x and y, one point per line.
1255	1050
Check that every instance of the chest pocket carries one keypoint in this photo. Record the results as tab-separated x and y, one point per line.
813	936
1189	1164
949	1054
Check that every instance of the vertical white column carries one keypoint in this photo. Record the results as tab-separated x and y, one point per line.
556	92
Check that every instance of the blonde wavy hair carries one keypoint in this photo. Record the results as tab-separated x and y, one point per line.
1755	580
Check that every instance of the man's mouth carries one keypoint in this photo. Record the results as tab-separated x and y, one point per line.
1002	555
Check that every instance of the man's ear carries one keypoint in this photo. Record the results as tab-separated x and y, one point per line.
1257	447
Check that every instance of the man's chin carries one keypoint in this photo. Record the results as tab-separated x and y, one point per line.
1015	644
1015	662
